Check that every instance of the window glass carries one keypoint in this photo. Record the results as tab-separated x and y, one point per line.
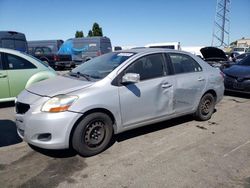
16	62
245	61
8	43
184	64
43	50
20	45
86	46
148	67
167	47
100	67
241	56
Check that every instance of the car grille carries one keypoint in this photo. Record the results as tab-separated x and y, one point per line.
22	108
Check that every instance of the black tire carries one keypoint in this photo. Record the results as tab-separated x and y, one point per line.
205	108
93	134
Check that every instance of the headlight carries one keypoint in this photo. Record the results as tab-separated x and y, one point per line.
59	103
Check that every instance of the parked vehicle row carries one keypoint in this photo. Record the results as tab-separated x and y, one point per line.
95	100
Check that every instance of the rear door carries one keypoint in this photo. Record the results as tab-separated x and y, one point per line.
19	71
190	82
152	96
4	83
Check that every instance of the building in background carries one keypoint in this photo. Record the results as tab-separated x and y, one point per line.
243	42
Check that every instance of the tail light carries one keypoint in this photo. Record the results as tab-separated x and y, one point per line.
98	53
222	74
56	58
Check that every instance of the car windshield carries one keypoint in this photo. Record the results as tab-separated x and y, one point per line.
245	61
99	67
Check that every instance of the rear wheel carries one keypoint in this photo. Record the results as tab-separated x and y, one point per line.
206	107
93	134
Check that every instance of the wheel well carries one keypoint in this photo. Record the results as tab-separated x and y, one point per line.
212	92
102	110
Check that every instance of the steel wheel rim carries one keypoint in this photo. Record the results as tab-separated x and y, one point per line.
94	134
206	106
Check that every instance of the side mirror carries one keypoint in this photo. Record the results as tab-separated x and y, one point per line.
130	78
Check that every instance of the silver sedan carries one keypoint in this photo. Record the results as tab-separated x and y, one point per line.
114	93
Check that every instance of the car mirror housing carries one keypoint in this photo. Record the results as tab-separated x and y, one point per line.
130	78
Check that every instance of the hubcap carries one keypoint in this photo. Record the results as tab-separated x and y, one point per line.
206	106
94	134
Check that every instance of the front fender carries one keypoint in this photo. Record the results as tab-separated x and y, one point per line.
43	75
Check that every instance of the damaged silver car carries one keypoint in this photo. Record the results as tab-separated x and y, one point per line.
114	93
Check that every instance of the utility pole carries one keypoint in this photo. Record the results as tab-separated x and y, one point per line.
221	28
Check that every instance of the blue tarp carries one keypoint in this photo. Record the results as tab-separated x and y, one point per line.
67	48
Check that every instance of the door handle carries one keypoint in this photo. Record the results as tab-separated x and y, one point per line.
3	75
166	85
201	79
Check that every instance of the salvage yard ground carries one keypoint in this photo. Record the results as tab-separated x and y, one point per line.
176	153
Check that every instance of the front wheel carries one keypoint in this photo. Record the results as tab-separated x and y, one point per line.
205	108
93	134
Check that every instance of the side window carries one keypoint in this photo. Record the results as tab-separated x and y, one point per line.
150	66
8	43
16	62
184	64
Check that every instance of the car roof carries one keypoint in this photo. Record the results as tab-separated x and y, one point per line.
145	50
7	50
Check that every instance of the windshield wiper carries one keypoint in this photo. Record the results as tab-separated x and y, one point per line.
78	74
86	76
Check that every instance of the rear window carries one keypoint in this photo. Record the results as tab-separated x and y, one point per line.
8	43
19	45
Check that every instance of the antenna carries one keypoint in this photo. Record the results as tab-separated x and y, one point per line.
221	28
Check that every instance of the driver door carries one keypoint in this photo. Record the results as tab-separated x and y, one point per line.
152	96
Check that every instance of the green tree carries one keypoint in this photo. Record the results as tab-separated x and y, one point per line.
96	30
79	34
90	34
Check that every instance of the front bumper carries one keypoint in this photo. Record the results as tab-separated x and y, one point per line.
232	84
45	130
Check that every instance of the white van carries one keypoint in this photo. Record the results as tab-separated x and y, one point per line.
240	50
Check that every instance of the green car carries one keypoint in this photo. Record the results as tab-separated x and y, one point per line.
18	71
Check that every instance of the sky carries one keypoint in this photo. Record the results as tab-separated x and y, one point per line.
125	22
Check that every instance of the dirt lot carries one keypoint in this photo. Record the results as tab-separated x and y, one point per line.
177	153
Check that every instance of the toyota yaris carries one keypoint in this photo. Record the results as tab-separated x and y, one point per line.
113	93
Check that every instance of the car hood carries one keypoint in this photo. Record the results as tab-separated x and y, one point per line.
58	85
212	53
238	71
